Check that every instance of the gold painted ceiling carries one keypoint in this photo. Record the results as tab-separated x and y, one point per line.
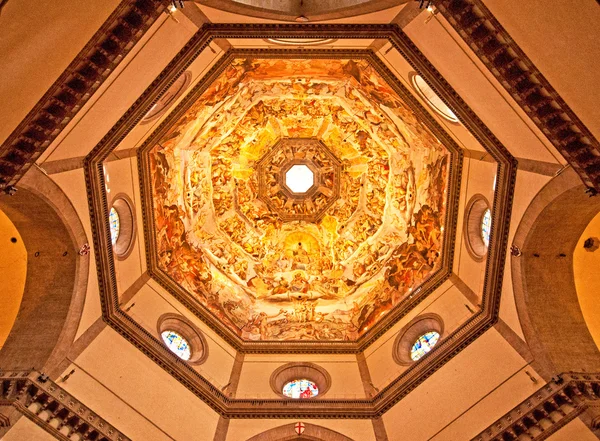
325	264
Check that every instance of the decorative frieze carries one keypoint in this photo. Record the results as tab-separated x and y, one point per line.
547	410
51	407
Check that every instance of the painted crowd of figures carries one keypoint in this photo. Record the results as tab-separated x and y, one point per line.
269	279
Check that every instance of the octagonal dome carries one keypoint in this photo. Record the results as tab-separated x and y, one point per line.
324	263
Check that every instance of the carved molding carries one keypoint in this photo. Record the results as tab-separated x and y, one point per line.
547	410
324	408
529	88
53	409
69	93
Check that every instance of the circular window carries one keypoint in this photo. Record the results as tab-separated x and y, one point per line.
122	226
432	99
424	344
417	338
478	227
300	380
177	344
168	98
182	338
300	389
115	225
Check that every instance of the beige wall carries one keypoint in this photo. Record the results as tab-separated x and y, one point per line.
26	429
358	430
36	59
257	370
122	88
561	38
465	380
152	301
575	430
116	380
447	301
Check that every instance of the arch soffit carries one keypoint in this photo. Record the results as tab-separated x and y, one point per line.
50	225
544	286
312	432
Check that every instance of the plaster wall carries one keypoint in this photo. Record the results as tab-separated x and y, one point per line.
478	179
13	271
401	68
527	187
476	418
257	370
124	371
447	302
477	87
122	89
358	430
466	379
561	38
199	67
25	429
152	301
587	279
61	30
123	175
574	430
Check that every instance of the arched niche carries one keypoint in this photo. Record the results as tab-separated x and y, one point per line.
56	279
312	432
543	279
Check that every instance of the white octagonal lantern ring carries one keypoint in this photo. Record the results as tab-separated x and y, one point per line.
299	178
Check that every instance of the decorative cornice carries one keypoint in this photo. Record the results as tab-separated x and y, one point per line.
547	410
529	88
80	80
449	347
52	408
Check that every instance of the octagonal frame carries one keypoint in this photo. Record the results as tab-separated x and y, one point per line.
316	177
468	332
264	161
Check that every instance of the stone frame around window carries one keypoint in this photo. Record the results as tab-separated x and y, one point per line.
474	212
300	371
408	335
124	207
189	331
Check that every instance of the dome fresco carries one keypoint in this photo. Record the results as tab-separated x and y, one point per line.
325	264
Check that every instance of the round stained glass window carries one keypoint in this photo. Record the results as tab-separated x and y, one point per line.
177	344
424	344
300	389
486	226
115	225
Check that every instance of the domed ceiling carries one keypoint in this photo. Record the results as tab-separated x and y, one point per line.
298	199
